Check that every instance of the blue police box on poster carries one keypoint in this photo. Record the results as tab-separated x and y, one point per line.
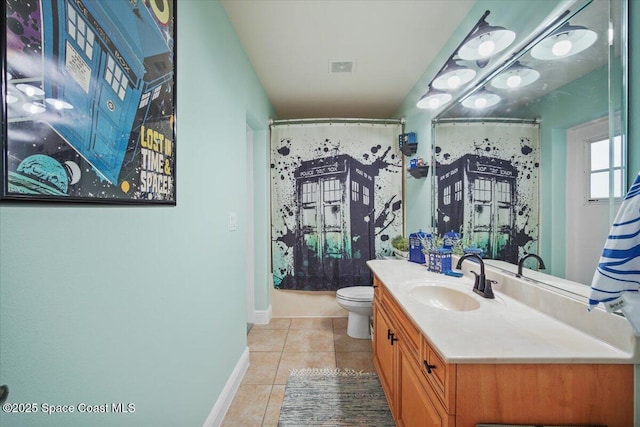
112	59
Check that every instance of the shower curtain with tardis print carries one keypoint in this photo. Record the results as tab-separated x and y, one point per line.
487	185
336	202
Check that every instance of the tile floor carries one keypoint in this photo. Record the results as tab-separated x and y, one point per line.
286	344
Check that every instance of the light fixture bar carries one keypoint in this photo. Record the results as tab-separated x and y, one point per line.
452	76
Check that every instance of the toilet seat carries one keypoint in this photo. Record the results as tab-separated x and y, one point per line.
356	293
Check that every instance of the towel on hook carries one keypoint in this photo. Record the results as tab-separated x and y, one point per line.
616	282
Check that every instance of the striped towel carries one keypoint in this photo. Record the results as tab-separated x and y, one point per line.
616	282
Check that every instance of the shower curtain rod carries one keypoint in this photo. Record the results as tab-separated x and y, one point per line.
337	120
485	120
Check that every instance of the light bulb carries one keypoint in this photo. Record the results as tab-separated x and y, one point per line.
514	81
453	81
11	98
561	47
30	91
33	108
434	103
486	48
480	102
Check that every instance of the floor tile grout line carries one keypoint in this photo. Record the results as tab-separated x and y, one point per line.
336	332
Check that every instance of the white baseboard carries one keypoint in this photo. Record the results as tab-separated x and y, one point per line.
262	317
230	388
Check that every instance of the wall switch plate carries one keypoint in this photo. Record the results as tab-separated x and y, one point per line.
233	221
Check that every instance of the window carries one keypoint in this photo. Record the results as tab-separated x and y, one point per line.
482	190
144	100
458	191
600	163
365	196
309	192
331	189
446	195
355	191
116	78
503	192
79	31
156	92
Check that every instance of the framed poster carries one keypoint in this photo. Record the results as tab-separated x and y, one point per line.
89	100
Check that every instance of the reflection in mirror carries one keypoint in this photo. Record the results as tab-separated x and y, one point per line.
569	82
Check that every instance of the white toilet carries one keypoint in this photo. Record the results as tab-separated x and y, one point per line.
358	301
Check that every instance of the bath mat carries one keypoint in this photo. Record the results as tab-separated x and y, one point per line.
334	397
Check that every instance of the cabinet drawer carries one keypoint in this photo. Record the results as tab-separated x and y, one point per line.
408	330
440	375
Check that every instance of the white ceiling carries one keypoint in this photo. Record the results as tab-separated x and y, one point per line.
291	43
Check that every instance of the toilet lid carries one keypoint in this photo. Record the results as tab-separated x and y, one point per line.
356	293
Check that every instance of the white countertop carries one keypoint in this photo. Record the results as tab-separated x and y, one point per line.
501	330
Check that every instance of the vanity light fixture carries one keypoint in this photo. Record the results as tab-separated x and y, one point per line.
480	43
433	99
33	108
481	99
516	76
486	40
59	104
565	41
453	76
29	90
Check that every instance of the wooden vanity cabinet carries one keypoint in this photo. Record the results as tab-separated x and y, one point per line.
384	352
397	351
424	391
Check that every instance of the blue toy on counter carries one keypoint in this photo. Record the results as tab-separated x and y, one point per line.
451	239
440	260
415	246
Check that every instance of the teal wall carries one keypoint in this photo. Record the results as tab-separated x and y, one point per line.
146	305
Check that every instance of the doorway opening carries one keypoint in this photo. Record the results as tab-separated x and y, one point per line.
592	159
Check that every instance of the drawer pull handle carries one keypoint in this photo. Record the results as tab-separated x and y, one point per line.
389	334
393	338
428	367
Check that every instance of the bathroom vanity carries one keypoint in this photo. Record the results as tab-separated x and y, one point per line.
448	357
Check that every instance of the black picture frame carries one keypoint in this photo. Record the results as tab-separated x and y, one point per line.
89	101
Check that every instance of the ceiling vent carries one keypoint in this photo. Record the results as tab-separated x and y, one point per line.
341	66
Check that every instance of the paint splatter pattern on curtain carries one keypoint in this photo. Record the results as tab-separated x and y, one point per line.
487	186
336	192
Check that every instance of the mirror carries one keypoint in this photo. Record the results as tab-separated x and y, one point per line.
579	104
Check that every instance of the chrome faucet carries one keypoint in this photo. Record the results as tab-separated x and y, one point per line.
481	286
541	265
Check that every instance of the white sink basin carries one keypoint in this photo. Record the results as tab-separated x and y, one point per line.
443	298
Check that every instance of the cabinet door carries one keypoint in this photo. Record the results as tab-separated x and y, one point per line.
383	352
415	407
